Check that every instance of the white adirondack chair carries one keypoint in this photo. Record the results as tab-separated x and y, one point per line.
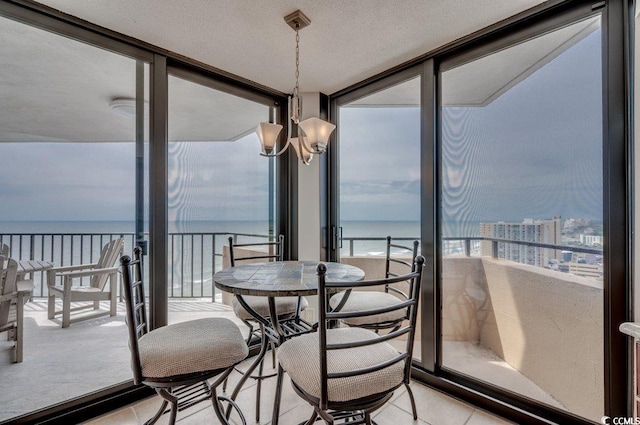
11	305
60	283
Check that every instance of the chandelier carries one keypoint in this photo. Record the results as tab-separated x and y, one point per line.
313	133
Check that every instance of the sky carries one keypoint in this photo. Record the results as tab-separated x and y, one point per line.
534	152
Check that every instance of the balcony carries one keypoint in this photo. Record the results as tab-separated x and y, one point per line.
524	328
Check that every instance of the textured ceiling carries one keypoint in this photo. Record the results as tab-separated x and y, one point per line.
346	42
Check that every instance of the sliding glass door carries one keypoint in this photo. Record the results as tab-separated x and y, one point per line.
379	133
508	156
219	188
521	209
73	131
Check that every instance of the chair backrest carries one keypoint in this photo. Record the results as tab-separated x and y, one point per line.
406	266
274	251
326	315
136	307
8	269
108	258
4	252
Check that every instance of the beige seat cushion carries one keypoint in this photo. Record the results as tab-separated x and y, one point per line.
300	358
284	305
369	300
194	346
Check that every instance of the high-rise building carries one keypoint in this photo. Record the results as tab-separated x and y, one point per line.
540	231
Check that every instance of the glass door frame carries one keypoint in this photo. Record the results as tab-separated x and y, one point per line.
31	16
39	16
428	189
617	22
616	200
285	173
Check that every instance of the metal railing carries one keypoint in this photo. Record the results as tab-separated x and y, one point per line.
193	257
465	244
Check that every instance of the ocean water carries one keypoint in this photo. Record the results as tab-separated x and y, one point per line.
403	231
352	232
195	248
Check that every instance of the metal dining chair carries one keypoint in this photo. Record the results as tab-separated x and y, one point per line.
393	294
178	359
358	369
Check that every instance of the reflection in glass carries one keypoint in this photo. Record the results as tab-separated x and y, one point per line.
379	173
522	161
68	157
218	186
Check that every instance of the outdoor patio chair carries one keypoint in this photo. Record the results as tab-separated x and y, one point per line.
358	369
285	306
100	273
351	301
178	359
11	305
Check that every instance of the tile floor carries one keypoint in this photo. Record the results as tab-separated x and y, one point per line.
434	408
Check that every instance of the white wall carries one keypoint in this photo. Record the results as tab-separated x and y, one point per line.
309	192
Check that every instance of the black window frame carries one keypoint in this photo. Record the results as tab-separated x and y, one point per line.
617	29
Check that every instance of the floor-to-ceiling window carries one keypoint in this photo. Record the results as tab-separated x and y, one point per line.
379	168
83	152
522	169
522	219
219	186
70	150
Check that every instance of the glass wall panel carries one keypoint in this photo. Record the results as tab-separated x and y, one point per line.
219	187
379	173
521	207
68	134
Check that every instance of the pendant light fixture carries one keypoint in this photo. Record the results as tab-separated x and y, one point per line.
313	133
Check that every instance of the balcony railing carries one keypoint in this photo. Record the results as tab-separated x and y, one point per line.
195	257
471	245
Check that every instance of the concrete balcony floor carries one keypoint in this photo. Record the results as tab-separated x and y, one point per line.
60	364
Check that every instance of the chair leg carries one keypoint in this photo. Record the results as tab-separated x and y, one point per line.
217	407
96	305
259	389
367	418
113	295
413	401
51	307
276	403
328	419
312	419
273	355
174	403
19	327
159	413
66	312
250	326
215	400
51	301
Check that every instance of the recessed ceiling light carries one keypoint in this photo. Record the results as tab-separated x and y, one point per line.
126	107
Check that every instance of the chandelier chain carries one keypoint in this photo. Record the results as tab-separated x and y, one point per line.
295	89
